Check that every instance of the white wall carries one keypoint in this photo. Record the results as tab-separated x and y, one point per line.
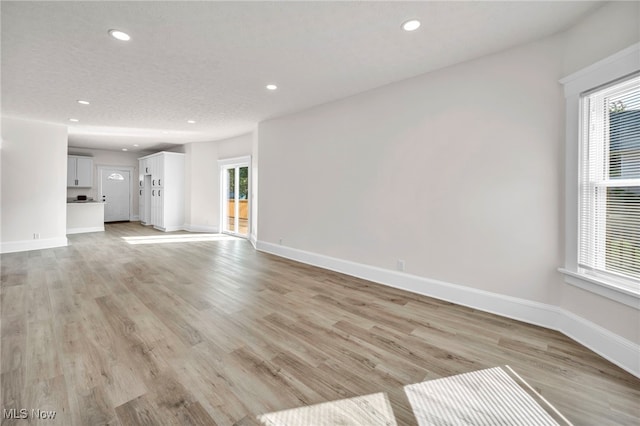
457	172
235	147
107	158
608	30
460	173
34	181
202	181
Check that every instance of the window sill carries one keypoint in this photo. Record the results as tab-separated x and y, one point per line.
603	288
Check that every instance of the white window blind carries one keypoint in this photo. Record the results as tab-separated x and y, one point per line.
609	199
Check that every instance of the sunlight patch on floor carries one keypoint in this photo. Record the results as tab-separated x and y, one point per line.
372	410
178	238
484	397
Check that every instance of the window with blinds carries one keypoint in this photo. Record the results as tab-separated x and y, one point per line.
609	199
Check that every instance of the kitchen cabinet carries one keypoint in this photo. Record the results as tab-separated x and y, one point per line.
161	191
141	203
158	172
79	172
157	210
144	166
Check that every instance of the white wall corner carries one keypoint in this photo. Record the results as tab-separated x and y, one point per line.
612	347
135	218
28	245
254	241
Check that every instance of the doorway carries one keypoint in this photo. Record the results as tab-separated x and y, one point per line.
235	187
115	192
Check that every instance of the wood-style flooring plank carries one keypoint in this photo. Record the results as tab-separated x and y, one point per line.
47	402
105	332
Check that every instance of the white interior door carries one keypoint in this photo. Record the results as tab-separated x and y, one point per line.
115	191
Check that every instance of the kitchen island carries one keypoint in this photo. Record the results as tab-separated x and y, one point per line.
85	216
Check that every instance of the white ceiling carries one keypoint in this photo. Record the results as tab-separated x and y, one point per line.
210	61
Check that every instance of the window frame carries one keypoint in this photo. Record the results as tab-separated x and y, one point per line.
622	64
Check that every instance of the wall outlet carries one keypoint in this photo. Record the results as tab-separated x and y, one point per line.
280	240
400	265
36	236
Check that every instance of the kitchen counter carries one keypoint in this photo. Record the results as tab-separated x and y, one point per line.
85	216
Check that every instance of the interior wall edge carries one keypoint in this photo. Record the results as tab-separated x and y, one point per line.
616	349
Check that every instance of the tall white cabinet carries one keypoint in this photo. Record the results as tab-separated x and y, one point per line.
161	190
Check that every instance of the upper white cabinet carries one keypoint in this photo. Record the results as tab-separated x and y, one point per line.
79	172
161	190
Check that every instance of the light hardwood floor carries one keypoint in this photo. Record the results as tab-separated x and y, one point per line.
213	332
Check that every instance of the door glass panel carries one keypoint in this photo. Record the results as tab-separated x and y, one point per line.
115	176
243	200
231	209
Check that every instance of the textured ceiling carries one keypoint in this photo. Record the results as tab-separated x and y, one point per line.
210	61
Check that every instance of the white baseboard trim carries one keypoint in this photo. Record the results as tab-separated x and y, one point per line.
614	348
169	228
83	230
200	228
253	240
27	245
620	351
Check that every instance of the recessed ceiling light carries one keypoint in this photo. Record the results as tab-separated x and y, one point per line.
272	86
135	144
83	102
119	35
191	121
125	149
411	25
75	120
